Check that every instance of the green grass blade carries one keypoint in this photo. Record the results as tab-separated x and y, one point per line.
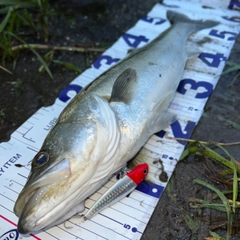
209	152
5	20
1	67
36	53
48	59
235	177
231	69
192	224
42	62
68	65
233	124
218	207
235	185
4	10
215	235
188	151
39	5
18	3
220	194
224	200
200	203
26	21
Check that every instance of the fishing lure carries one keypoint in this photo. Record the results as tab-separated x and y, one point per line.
119	190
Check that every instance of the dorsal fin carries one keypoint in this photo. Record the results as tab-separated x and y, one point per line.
124	86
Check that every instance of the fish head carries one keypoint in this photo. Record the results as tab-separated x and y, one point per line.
51	190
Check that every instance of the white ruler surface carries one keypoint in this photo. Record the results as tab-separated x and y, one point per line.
128	218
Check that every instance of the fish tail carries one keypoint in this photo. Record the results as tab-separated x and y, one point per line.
197	25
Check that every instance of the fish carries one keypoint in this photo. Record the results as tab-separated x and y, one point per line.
103	127
119	190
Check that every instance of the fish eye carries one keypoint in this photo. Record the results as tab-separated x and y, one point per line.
40	159
145	171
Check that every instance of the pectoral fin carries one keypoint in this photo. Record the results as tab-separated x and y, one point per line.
124	86
164	121
160	118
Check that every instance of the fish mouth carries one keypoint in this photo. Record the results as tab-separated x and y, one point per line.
27	206
29	221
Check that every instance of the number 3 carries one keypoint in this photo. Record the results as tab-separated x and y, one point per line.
194	86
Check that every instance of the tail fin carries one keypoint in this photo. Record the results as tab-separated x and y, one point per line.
175	18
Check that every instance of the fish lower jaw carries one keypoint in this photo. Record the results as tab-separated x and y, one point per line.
23	230
27	227
30	218
31	225
52	217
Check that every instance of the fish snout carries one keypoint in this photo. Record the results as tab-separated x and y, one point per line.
34	211
25	227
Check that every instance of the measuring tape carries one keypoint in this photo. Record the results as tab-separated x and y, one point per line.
128	218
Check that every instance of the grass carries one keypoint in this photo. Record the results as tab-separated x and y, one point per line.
227	205
21	19
6	70
232	67
229	122
2	113
18	87
192	224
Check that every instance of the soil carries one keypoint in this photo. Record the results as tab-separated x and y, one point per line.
100	23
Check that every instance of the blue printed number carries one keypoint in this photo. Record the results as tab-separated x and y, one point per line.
194	86
155	21
63	94
134	41
185	133
233	4
212	60
223	34
178	132
127	226
232	19
105	58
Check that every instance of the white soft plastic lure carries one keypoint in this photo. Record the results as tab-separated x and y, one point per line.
103	127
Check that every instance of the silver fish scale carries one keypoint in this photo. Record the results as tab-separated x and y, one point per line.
114	194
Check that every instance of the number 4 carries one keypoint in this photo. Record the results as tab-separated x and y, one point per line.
212	60
134	41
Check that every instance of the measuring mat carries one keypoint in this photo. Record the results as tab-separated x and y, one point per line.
128	218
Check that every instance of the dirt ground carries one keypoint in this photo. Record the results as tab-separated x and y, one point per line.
100	23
